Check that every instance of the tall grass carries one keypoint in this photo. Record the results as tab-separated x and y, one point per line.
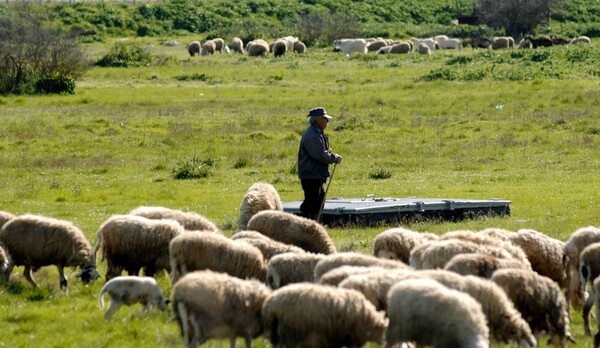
117	142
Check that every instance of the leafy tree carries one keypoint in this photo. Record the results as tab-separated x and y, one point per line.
324	27
517	17
32	50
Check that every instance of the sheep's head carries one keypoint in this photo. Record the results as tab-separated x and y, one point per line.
88	274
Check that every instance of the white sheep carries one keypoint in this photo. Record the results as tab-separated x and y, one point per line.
292	229
289	268
194	48
449	44
496	232
267	246
258	47
481	265
428	313
337	275
219	44
260	196
350	46
581	39
500	42
401	47
481	239
545	254
428	42
199	251
397	243
313	315
353	259
191	221
129	290
299	47
423	49
132	242
237	45
35	241
384	50
208	47
504	321
216	305
375	45
578	240
540	301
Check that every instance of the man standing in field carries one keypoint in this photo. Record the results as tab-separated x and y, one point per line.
314	157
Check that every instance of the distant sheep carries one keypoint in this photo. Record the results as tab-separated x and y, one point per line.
132	242
578	240
291	229
500	42
354	259
35	241
401	47
257	48
288	268
299	47
485	240
540	301
427	313
267	246
289	42
189	220
208	47
496	232
194	48
313	315
189	252
397	243
350	46
525	43
428	42
543	252
375	45
279	48
480	42
481	265
384	50
449	44
129	290
581	39
237	45
219	44
423	49
260	196
211	305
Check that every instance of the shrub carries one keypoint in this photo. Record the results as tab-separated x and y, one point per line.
55	83
381	173
126	55
193	168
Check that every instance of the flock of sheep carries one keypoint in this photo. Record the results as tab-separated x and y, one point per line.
280	276
254	48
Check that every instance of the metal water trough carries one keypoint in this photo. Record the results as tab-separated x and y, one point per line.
386	211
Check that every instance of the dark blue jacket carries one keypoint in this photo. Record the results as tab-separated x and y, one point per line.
314	155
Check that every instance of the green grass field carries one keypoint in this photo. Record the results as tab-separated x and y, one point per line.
522	126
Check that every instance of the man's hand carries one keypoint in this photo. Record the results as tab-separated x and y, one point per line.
338	158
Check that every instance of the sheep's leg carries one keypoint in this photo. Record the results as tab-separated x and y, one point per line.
112	309
232	342
182	312
587	306
7	272
62	277
248	341
28	276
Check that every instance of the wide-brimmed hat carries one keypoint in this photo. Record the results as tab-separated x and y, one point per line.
319	111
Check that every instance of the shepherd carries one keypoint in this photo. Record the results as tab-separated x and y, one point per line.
314	158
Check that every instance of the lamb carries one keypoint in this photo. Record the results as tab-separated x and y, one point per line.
354	259
258	47
216	305
540	301
189	220
129	290
428	313
237	45
504	322
291	229
313	315
480	265
194	48
575	244
35	241
423	49
197	251
132	242
543	252
397	243
267	246
260	196
589	270
350	46
581	39
299	47
208	47
279	48
288	268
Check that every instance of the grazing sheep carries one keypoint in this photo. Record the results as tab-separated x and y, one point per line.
545	254
500	42
480	265
428	42
208	47
496	232
132	242
589	270
267	246
401	47
485	240
258	47
339	274
449	44
480	42
299	47
260	196
384	50
423	48
289	268
279	48
353	259
194	48
199	251
291	229
540	301
525	43
289	42
129	290
313	315
219	44
210	305
237	45
375	45
397	243
581	39
350	46
189	220
505	323
427	313
35	241
578	240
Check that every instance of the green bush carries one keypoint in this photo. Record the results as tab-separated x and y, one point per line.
381	173
193	168
125	55
55	83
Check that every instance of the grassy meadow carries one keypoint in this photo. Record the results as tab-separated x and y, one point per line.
521	126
